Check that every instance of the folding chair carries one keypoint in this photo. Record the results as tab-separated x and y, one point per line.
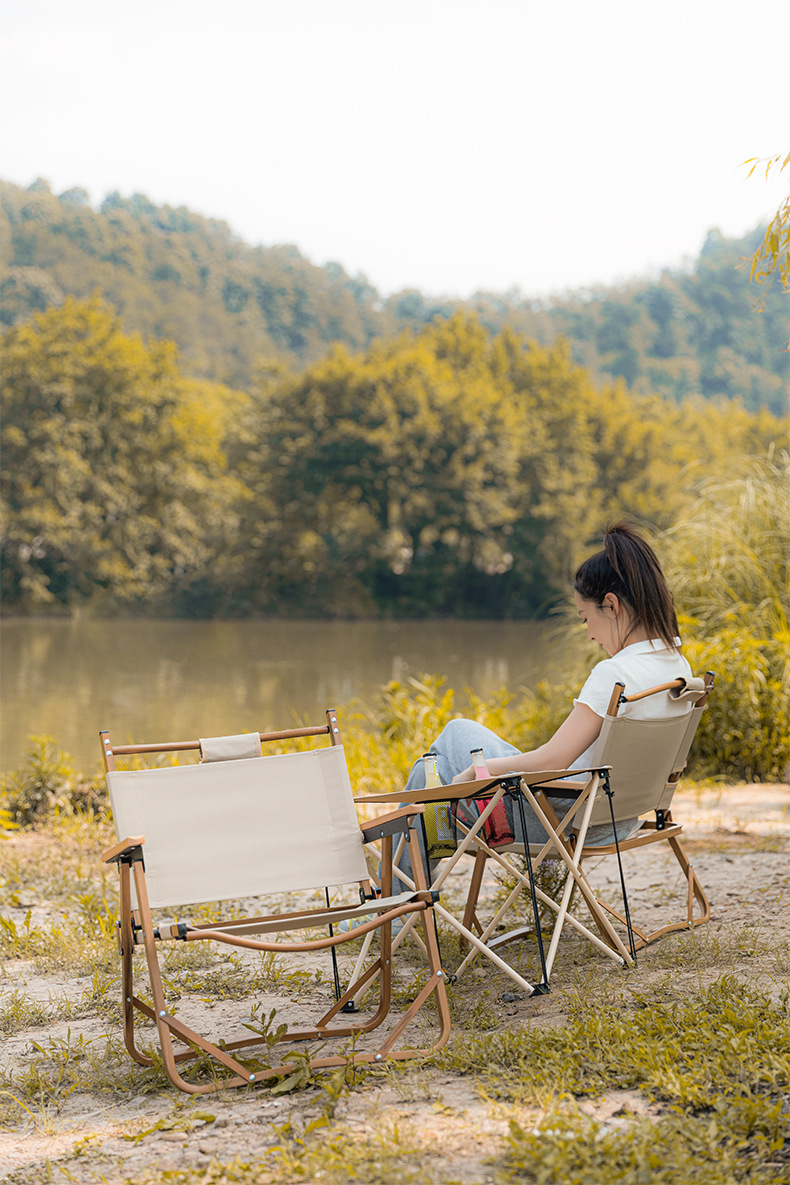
646	759
241	825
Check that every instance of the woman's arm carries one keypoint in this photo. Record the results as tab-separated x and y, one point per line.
573	736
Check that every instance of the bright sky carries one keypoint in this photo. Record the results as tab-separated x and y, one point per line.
448	145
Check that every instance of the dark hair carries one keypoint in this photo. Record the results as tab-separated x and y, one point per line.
628	567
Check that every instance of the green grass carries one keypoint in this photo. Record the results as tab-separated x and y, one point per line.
679	1045
736	1140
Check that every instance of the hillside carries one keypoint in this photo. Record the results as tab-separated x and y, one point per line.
174	274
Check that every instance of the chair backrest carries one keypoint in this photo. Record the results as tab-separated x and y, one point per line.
241	828
647	756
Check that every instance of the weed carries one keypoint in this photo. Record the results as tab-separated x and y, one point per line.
676	1048
17	1012
60	1067
48	783
736	1140
175	1123
704	949
782	958
391	1157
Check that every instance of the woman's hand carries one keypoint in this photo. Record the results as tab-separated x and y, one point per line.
466	775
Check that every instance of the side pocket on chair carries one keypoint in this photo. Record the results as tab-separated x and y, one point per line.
497	831
440	829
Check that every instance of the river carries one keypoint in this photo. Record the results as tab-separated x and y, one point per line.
157	680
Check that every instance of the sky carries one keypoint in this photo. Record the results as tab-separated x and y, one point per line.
446	145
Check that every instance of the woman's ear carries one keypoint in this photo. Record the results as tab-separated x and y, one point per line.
612	601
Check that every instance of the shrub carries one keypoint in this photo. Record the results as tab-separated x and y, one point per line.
745	729
729	567
46	784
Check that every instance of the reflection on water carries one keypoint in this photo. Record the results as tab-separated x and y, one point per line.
168	680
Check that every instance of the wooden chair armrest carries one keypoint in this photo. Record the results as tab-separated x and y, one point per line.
123	848
390	824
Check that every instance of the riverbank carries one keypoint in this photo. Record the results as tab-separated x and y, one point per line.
74	1107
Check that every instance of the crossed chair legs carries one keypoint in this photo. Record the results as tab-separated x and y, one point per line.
609	941
468	842
474	935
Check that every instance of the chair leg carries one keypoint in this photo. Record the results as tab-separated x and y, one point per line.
695	893
572	860
166	1023
127	968
470	919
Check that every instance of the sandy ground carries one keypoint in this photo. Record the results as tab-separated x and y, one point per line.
738	840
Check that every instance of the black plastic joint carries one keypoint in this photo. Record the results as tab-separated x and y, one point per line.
374	830
131	856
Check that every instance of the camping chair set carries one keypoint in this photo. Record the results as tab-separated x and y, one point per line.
241	825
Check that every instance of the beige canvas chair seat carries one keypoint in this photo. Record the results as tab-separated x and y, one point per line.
238	827
646	758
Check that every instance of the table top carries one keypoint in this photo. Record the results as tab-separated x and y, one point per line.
480	788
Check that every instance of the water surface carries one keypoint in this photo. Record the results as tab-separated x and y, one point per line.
178	680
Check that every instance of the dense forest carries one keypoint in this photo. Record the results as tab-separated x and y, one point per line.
231	308
449	470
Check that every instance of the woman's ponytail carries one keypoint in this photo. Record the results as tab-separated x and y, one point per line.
629	568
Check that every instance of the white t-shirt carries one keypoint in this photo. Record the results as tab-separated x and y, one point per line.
638	666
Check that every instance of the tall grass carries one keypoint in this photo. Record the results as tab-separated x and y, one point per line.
729	567
729	562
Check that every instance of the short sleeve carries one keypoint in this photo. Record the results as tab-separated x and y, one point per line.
597	690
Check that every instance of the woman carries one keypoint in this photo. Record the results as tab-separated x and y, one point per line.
622	596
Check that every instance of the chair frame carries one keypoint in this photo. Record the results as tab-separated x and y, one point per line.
136	927
663	828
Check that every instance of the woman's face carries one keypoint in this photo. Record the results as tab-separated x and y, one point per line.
606	624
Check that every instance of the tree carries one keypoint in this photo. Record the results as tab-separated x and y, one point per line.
112	471
393	475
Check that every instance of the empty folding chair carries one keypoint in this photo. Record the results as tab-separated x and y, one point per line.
241	825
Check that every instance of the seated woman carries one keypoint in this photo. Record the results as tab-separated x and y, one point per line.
622	596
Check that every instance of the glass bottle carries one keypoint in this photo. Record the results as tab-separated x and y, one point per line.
479	764
432	778
440	831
